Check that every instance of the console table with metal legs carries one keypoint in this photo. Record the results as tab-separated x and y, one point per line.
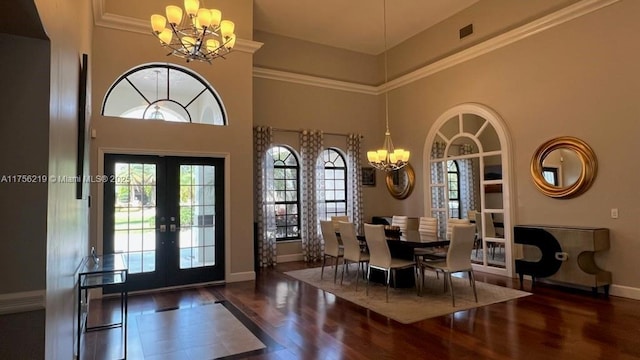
106	271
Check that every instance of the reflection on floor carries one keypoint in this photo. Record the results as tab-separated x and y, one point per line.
216	330
495	256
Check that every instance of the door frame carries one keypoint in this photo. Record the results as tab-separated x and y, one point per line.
97	193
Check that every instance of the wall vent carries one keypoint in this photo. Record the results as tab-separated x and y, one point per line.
466	31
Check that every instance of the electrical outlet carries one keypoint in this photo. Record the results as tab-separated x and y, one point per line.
614	213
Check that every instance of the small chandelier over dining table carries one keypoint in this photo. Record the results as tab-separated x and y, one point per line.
387	158
200	34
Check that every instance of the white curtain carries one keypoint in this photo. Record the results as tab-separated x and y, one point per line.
265	214
354	183
312	193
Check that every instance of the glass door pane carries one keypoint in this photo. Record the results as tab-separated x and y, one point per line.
197	214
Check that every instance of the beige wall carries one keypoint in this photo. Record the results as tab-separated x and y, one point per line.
579	78
46	226
303	57
117	51
69	26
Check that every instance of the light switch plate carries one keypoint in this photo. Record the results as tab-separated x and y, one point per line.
614	213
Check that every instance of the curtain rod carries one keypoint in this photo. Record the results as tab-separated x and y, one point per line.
297	131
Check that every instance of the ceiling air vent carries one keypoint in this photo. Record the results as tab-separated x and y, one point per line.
466	31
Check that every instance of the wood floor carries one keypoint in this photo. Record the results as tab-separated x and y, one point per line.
554	323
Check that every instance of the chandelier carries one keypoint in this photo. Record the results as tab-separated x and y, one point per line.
199	35
387	158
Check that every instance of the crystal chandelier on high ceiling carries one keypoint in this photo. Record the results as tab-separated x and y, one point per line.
200	34
387	158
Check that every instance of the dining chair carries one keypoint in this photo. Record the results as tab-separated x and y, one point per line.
477	245
400	221
336	221
491	232
452	222
471	215
352	250
458	259
428	230
332	247
380	256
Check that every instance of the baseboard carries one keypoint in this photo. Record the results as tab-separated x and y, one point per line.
241	276
289	258
625	292
22	301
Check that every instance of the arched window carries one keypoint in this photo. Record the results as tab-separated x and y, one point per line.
335	182
164	92
453	182
286	180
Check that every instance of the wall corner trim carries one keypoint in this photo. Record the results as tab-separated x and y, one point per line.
22	301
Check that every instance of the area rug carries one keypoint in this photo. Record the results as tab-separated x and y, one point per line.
198	333
404	305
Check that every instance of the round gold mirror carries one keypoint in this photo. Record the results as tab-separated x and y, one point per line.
564	167
400	182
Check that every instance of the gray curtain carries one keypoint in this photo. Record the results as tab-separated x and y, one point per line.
354	190
468	194
438	171
265	215
312	193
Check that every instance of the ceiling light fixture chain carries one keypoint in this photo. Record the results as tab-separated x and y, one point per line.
200	34
387	158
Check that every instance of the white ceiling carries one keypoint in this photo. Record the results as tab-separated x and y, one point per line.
356	25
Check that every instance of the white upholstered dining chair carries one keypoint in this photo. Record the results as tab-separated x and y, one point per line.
352	251
332	247
380	256
452	222
458	259
335	220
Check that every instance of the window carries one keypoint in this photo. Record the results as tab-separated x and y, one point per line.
550	175
286	181
453	179
335	183
164	92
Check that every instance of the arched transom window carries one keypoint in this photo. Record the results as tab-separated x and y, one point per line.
164	92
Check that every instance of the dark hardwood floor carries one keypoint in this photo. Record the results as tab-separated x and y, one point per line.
553	323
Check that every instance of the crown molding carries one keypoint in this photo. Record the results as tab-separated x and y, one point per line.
544	23
126	23
22	301
316	81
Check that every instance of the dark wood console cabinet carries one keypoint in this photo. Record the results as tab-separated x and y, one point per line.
564	255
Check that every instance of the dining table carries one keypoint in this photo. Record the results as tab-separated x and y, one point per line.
403	247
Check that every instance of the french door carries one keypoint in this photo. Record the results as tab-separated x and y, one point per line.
166	215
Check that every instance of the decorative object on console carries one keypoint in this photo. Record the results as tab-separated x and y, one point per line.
200	34
567	254
387	158
564	167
